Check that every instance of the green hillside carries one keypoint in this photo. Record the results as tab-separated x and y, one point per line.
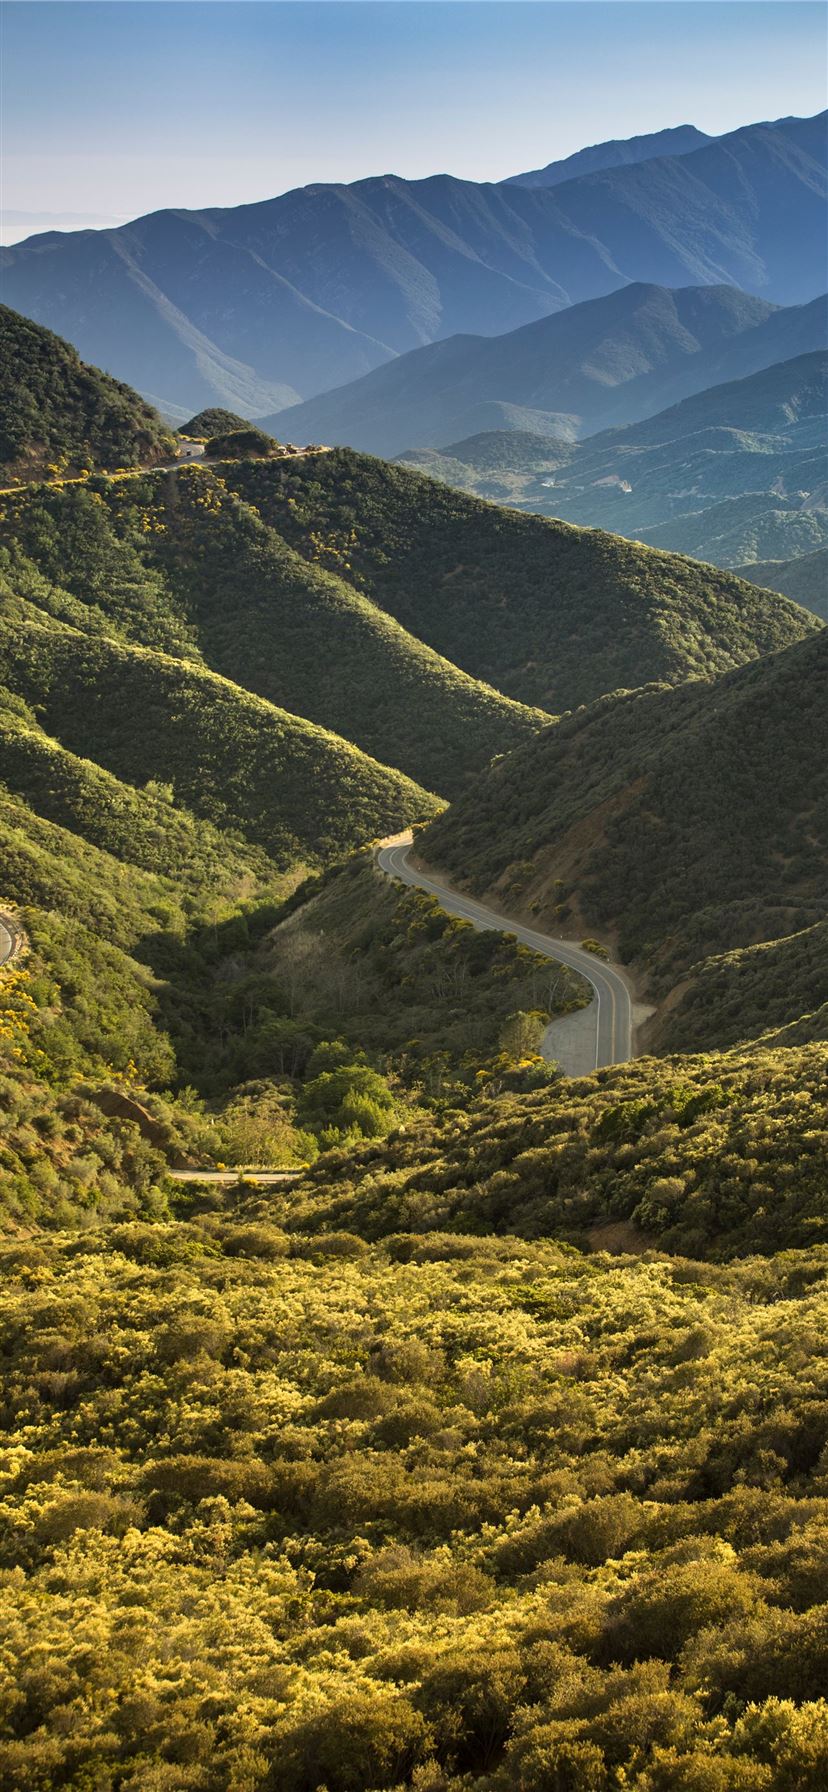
108	882
805	579
393	1477
54	410
586	612
184	564
777	991
758	526
678	823
154	979
291	787
661	1145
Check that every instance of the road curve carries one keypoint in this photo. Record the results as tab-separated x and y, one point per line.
8	942
611	1005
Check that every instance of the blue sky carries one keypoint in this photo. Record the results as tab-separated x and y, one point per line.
116	108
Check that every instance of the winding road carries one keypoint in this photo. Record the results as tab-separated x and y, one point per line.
603	1032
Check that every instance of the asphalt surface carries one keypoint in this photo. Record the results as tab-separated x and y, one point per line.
8	943
601	1033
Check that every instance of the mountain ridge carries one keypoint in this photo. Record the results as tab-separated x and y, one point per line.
244	308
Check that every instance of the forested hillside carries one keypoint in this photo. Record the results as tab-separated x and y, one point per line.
369	600
680	823
293	788
586	612
183	564
56	412
659	1144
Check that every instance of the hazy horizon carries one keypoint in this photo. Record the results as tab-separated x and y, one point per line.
112	111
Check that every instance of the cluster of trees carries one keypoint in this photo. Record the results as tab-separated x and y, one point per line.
287	1512
237	444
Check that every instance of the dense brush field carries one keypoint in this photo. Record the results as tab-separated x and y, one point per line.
287	1512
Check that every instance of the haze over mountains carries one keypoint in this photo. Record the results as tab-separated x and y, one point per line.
600	364
737	472
264	304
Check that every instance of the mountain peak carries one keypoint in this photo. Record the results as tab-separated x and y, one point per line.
618	152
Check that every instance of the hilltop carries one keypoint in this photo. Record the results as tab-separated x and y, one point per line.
680	140
681	824
212	422
55	410
259	306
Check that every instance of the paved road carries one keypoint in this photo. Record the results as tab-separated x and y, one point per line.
610	1011
8	942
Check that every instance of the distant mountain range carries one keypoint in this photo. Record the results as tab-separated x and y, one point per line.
258	306
738	472
618	153
804	579
607	362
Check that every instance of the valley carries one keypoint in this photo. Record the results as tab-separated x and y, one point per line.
414	929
